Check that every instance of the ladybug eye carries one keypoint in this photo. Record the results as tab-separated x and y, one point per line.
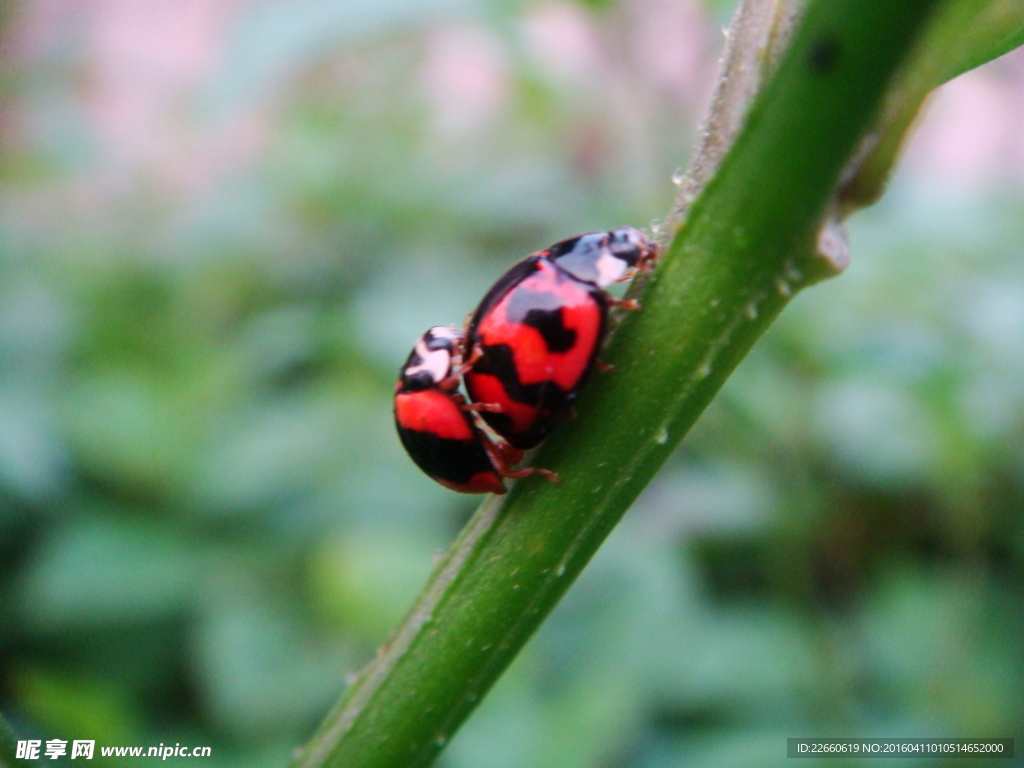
628	244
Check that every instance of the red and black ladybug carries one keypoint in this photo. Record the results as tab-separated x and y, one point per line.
537	332
437	427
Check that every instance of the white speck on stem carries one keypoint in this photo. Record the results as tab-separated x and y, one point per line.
662	437
783	288
752	310
678	177
834	246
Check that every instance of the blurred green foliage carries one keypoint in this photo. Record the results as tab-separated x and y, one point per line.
207	520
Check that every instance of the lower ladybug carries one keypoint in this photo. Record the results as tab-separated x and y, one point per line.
536	334
437	427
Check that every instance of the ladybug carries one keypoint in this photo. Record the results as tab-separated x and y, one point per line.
437	426
536	334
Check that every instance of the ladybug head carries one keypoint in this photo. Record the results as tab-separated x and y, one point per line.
603	258
431	360
631	246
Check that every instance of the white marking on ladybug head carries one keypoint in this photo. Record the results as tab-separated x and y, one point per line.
626	249
610	268
437	363
434	350
602	258
442	334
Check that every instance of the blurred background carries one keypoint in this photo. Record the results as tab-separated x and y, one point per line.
223	223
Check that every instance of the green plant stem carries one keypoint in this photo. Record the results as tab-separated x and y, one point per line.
745	248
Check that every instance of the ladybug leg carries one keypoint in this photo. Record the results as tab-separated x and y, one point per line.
504	456
547	474
507	455
646	264
630	304
465	333
489	407
464	406
649	257
475	354
602	366
449	382
630	274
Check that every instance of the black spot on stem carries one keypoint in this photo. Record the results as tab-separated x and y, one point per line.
824	54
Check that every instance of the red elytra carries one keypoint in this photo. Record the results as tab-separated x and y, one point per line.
535	336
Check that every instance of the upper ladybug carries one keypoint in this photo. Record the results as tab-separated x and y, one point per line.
536	334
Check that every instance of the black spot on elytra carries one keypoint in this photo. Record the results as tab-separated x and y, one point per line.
547	397
824	54
499	361
543	311
552	329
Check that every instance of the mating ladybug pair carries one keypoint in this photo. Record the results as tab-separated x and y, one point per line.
524	356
